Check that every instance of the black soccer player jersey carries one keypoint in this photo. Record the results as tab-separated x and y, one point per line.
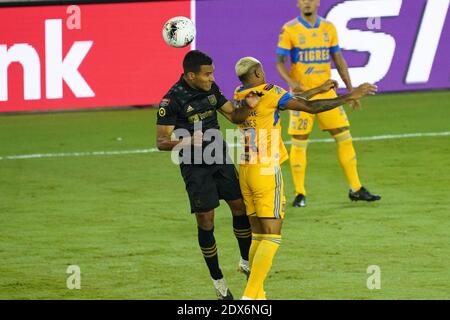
183	106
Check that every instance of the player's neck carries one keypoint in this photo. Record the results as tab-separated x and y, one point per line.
252	84
312	19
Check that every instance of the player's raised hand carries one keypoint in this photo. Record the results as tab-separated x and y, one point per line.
253	98
328	85
363	90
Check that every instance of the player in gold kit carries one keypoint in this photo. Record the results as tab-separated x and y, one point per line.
260	175
311	43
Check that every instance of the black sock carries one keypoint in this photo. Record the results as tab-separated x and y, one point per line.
243	233
207	244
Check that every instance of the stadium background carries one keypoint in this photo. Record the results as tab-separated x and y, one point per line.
89	188
127	52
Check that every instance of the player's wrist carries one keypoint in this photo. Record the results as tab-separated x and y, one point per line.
350	96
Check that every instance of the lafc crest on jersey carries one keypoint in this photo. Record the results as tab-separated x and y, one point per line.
212	99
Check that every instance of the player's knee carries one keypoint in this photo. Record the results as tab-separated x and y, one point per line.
336	131
271	226
205	225
255	224
237	207
301	137
205	221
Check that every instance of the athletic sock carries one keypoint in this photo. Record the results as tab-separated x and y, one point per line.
243	233
262	262
207	244
298	164
347	158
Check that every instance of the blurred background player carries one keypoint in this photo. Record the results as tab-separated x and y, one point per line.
193	100
260	174
311	42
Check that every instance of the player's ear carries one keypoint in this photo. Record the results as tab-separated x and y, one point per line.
191	75
259	72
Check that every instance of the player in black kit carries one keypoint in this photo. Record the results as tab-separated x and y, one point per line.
193	102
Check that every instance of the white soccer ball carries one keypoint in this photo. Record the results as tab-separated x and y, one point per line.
178	32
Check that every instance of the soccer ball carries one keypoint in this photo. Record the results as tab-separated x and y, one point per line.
178	32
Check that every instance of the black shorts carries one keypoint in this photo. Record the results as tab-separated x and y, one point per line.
207	184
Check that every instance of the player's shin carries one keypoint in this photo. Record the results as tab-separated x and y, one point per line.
243	233
207	244
347	158
298	164
256	240
262	263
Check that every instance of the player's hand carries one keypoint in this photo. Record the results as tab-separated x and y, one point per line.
328	85
363	90
355	104
197	138
295	86
253	98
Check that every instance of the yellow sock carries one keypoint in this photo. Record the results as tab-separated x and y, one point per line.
298	164
347	158
261	295
256	240
262	262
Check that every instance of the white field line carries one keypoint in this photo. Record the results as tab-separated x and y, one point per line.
152	150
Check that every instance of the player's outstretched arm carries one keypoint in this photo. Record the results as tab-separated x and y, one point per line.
325	87
317	106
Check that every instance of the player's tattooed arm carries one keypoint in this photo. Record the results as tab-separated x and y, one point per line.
322	105
325	87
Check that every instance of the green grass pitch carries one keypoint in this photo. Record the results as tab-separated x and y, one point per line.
124	219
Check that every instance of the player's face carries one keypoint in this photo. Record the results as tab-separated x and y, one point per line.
308	7
204	79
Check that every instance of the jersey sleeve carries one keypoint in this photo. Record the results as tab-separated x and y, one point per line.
334	42
280	96
284	43
167	112
221	99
